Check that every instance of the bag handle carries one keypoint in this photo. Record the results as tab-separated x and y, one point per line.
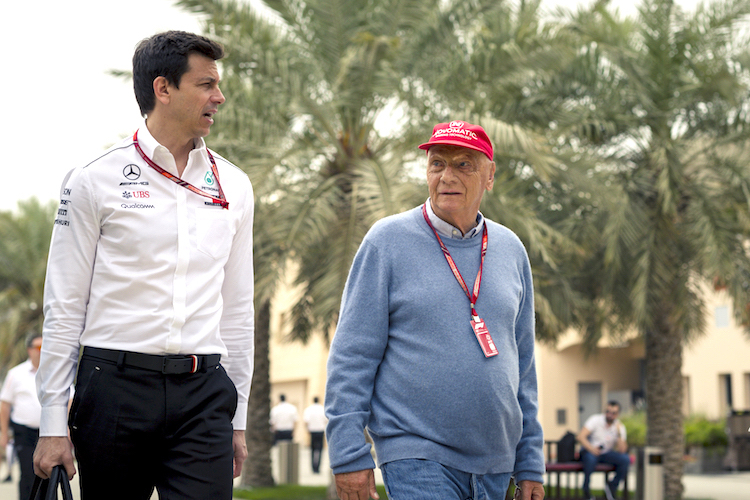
46	489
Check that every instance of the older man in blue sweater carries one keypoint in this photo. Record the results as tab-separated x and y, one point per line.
438	368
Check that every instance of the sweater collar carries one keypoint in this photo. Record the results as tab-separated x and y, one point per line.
448	230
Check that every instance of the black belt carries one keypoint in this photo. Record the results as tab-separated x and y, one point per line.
168	365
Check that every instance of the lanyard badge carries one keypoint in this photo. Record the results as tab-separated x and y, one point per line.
477	324
215	200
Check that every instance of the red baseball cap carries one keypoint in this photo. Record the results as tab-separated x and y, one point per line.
459	133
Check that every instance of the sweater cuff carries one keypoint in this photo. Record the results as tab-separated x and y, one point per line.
528	476
239	422
54	421
363	463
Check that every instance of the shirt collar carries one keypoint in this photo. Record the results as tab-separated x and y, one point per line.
448	230
161	155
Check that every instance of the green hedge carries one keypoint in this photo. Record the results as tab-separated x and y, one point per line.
699	430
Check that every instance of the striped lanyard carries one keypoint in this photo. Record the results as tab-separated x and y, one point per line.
220	200
478	281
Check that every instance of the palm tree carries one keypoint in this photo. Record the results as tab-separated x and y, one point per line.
24	244
663	101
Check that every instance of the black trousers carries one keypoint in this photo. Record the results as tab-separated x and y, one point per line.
316	449
24	442
135	430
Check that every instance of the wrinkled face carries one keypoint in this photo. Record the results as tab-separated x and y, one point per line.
193	105
457	178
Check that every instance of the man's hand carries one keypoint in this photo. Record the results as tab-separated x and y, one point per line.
240	451
529	490
358	485
51	451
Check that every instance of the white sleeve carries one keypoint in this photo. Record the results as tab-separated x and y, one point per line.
66	291
238	317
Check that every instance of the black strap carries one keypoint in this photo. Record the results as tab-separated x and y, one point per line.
46	489
171	365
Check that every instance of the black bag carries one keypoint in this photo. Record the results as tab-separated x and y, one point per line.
46	489
566	448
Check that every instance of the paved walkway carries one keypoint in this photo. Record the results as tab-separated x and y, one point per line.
728	486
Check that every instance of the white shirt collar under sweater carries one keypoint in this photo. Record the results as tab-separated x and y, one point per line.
448	230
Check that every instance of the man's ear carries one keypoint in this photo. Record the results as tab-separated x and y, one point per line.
491	180
162	89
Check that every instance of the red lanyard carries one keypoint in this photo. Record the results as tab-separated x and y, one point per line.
220	200
478	281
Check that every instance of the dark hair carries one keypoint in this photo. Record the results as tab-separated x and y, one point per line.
315	399
282	397
30	337
614	403
166	54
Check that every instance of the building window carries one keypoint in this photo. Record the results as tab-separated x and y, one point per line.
721	313
562	416
725	393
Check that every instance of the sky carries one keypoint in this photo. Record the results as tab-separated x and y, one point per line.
64	108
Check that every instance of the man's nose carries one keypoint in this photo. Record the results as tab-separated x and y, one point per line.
448	174
219	97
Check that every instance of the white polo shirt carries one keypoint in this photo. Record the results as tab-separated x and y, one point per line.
604	435
19	390
284	416
139	263
315	418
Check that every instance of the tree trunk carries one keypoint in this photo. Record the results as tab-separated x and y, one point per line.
257	469
664	399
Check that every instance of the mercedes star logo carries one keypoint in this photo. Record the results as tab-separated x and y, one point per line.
131	172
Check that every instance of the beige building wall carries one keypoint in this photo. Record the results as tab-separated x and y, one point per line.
561	370
708	361
297	370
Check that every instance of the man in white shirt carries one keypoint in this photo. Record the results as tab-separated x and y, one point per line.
20	411
315	418
284	416
150	271
603	439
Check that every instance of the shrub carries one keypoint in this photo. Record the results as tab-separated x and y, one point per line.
699	431
635	425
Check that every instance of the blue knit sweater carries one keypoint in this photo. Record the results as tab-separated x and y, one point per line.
405	363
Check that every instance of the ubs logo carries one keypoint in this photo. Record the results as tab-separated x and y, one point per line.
135	194
131	172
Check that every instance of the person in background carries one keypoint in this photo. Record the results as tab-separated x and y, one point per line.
603	439
315	419
284	416
438	370
151	271
20	412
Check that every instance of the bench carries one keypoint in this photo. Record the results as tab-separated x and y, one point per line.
571	471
